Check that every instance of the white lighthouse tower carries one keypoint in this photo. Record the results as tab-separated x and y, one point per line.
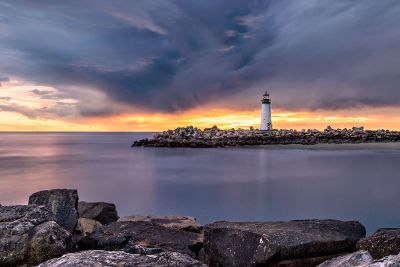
266	122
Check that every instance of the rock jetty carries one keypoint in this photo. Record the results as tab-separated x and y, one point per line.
213	137
41	235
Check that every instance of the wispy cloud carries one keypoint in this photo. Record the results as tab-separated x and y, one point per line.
41	92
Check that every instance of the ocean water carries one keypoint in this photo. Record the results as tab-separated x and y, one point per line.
347	182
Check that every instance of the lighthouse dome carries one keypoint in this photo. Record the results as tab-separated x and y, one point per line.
266	93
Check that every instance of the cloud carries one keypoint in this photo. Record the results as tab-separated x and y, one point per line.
56	110
28	112
3	79
41	92
171	56
57	96
5	98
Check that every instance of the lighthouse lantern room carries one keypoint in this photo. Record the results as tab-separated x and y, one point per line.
266	122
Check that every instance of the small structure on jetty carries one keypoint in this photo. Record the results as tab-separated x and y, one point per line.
266	121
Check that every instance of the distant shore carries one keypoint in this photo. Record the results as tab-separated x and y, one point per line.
214	137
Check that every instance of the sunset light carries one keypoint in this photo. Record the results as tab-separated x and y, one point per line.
199	133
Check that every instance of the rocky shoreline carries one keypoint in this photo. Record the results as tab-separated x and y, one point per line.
56	229
213	137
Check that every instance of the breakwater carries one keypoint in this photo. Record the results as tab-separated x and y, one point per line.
214	137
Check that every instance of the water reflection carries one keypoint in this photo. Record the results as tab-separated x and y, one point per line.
273	183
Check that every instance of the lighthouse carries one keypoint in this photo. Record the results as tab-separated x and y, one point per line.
266	122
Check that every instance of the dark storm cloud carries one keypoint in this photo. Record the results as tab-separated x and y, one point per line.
174	55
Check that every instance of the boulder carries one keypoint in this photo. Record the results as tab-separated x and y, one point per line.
302	262
87	226
30	235
100	258
175	222
63	203
84	228
362	259
125	235
359	258
384	242
388	261
292	243
99	211
49	240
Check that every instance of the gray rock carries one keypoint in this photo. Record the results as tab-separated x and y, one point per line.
359	258
362	259
185	223
99	211
136	249
87	226
388	261
274	243
384	242
49	240
125	235
302	262
84	228
62	202
30	235
100	258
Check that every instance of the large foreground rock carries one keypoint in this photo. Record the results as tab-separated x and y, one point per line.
99	211
185	223
101	258
384	242
62	202
292	243
30	235
125	235
362	259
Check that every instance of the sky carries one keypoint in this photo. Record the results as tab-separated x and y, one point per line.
122	65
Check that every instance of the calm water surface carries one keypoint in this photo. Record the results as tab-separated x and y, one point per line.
347	182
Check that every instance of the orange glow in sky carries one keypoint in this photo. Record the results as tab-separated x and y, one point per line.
224	119
22	110
227	119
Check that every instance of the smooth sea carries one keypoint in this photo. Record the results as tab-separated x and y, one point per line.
347	182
